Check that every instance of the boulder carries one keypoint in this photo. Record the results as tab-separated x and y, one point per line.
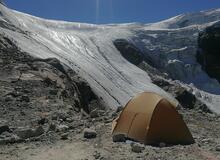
186	99
8	98
89	133
38	131
64	136
25	133
97	155
217	148
4	128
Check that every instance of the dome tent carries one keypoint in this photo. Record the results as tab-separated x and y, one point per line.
151	119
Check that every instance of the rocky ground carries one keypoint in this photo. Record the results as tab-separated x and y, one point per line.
98	143
48	112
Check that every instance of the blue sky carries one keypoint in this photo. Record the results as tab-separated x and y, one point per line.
110	11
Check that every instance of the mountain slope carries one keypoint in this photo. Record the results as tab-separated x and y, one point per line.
89	50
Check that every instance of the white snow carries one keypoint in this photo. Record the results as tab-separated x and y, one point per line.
89	50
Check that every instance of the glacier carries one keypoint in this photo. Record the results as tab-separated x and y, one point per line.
89	50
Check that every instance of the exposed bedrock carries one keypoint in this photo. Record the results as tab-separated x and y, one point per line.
209	50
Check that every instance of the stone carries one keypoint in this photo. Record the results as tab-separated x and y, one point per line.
89	133
11	139
64	136
42	121
137	148
217	148
69	107
4	128
119	138
62	128
53	92
69	120
25	98
52	127
94	113
25	133
38	131
54	117
8	98
186	99
97	155
206	140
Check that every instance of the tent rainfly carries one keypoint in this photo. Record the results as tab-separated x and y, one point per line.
152	119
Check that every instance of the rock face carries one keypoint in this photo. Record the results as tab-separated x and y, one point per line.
208	54
129	51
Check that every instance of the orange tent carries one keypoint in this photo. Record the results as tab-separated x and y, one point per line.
151	119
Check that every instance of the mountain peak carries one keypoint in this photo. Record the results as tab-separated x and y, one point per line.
2	2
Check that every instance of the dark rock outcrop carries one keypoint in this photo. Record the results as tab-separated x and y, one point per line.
184	96
89	133
4	128
33	91
208	54
129	51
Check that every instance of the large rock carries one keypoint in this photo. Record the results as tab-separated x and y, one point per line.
185	98
119	138
208	54
11	138
89	133
217	148
26	133
137	148
4	128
